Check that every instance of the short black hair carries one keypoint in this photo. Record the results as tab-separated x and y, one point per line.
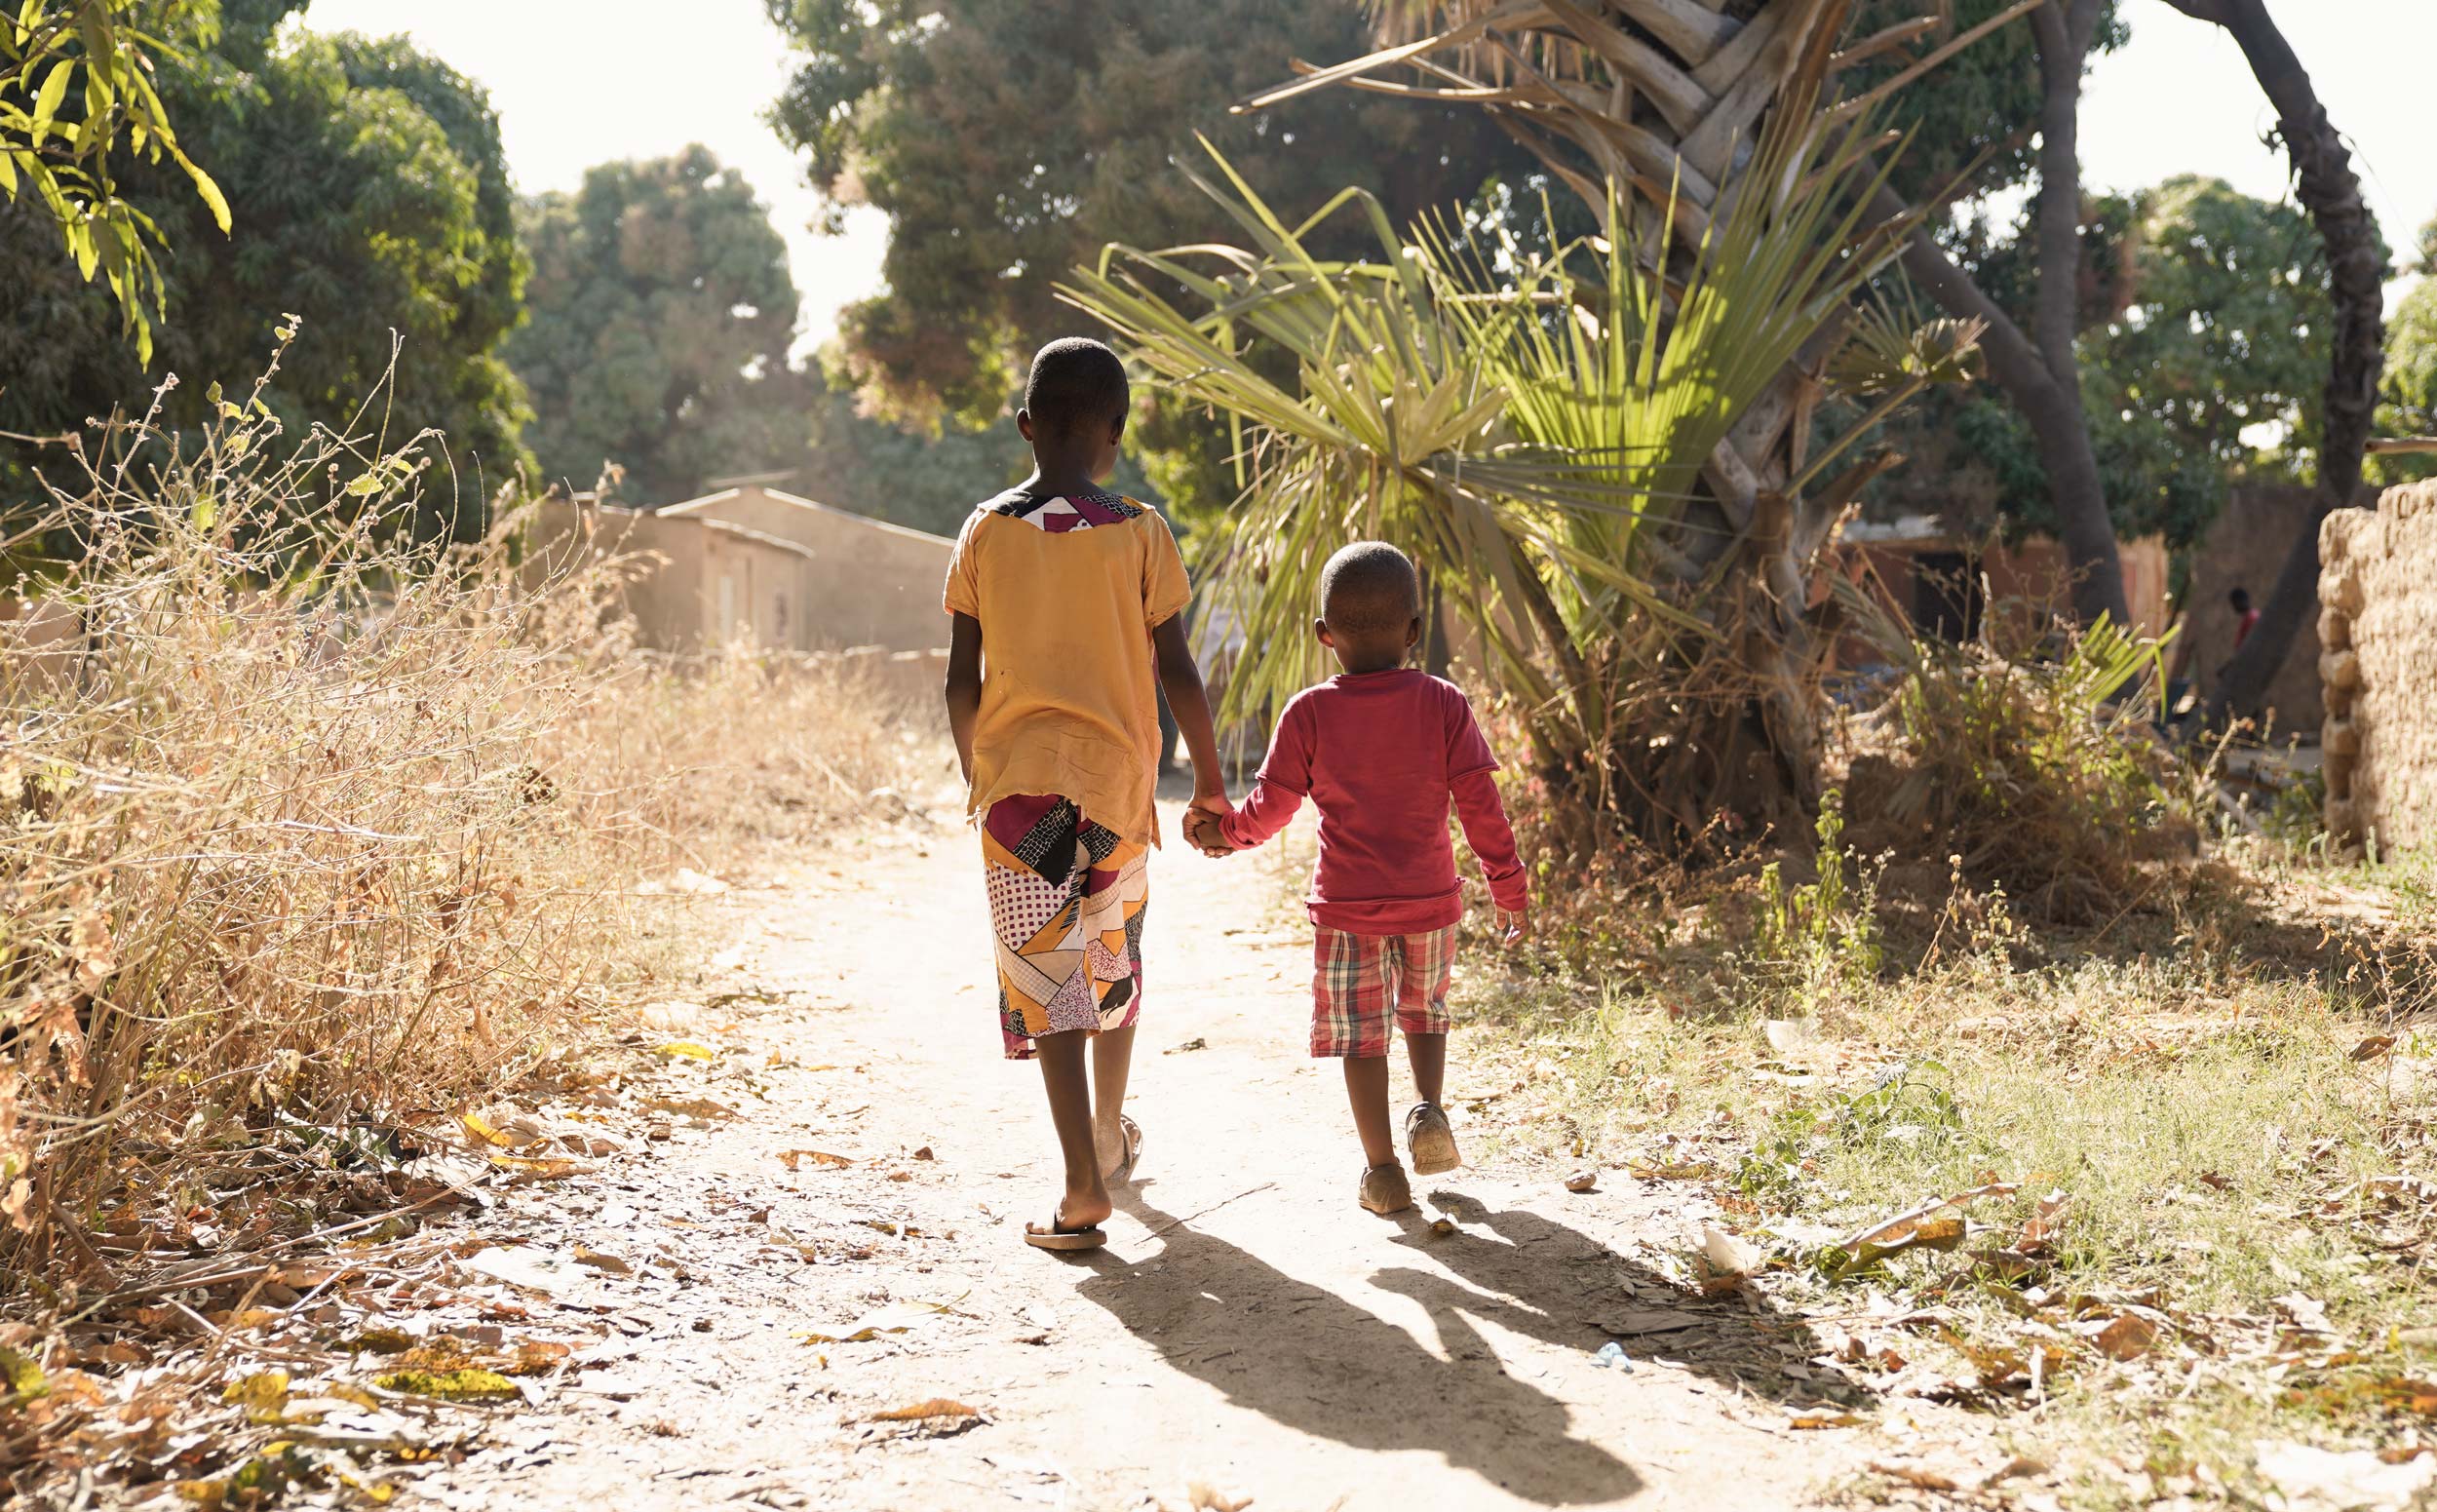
1075	382
1369	588
2240	599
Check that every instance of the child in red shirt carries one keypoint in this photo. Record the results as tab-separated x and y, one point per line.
1383	749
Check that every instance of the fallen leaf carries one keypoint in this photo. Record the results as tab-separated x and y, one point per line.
2042	1224
1818	1419
924	1153
463	1385
483	1132
1915	1475
602	1260
1583	1181
537	1357
1205	1498
689	1108
545	1169
2127	1336
2018	1466
1650	1320
2372	1047
686	1049
535	1271
895	1318
1729	1258
1190	1044
1787	1035
264	1390
2324	1480
936	1407
2305	1312
794	1158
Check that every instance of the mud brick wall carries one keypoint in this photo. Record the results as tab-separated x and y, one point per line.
2377	624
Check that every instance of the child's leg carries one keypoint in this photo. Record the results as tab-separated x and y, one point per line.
1427	1054
1367	1089
1086	1199
1352	1005
1427	970
1113	1061
1425	974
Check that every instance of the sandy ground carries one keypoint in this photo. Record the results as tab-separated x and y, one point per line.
1248	1329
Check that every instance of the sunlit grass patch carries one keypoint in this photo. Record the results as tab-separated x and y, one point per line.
2200	1187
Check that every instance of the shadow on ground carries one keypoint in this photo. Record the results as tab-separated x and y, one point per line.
1324	1365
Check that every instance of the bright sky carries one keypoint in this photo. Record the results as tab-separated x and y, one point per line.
579	82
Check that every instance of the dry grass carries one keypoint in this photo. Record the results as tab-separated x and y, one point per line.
325	831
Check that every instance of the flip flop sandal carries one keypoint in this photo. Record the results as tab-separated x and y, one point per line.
1124	1173
1429	1139
1058	1236
1384	1190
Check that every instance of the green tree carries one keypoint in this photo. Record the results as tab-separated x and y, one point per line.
662	310
371	201
2223	329
2203	313
1007	144
76	94
2408	397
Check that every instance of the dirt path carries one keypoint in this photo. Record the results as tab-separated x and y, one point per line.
1248	1328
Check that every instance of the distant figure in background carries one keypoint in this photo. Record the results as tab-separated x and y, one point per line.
2245	616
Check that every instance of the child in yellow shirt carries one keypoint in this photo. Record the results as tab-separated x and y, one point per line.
1067	603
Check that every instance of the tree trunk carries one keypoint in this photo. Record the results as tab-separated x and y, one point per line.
2042	377
2330	191
2054	414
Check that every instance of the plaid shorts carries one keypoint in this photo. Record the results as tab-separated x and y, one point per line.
1359	982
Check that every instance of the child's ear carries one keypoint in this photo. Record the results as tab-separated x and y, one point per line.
1320	628
1412	632
1024	423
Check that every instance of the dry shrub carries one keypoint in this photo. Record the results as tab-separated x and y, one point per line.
323	826
2036	764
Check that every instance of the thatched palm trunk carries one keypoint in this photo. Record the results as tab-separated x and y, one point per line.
1667	98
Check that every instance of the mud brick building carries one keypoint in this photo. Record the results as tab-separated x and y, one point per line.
2377	624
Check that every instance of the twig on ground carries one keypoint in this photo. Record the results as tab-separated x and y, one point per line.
1212	1208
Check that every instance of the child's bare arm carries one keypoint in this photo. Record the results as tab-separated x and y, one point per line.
964	687
1180	678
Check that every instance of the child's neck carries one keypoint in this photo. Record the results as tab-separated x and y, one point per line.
1060	477
1365	666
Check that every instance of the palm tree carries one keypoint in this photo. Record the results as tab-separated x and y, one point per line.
1564	434
1666	97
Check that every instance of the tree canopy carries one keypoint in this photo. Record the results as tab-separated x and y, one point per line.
370	199
663	314
76	96
2203	315
2407	396
662	310
1009	143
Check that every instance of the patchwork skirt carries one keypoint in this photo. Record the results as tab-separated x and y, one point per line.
1066	900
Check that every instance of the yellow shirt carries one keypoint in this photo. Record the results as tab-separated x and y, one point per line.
1068	590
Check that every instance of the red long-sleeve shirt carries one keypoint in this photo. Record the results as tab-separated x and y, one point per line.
1382	755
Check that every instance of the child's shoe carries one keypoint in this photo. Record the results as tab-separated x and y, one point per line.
1430	1141
1384	1190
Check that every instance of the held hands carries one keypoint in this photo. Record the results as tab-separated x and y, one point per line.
1513	929
1201	825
